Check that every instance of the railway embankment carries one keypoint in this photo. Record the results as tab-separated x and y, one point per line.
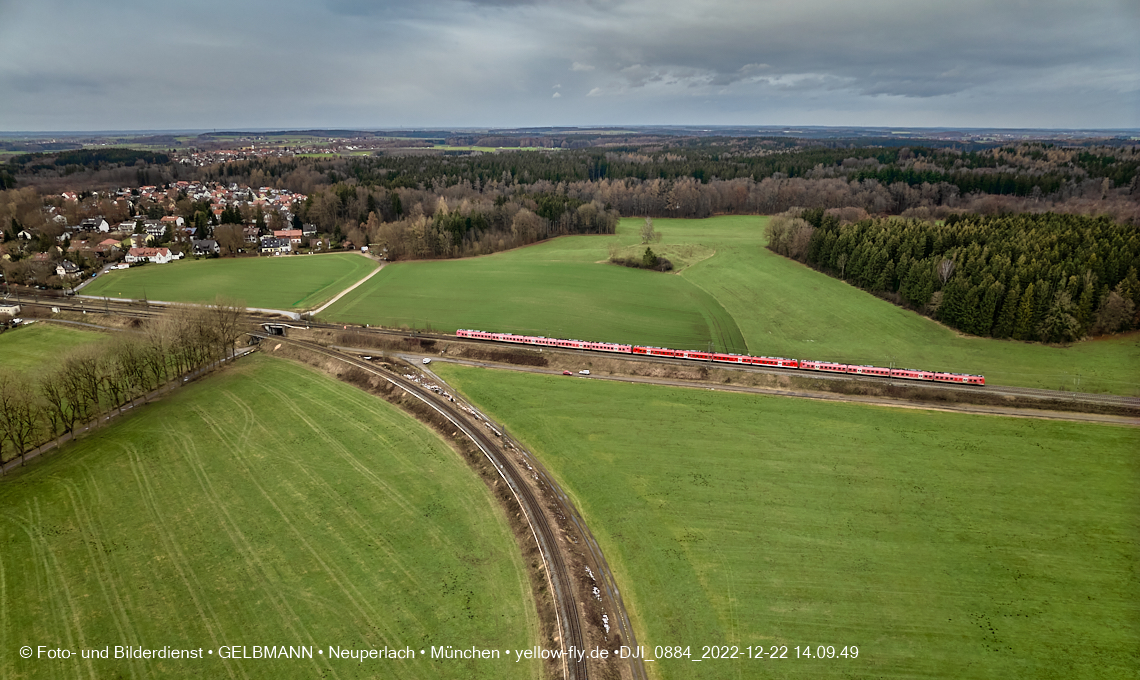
601	363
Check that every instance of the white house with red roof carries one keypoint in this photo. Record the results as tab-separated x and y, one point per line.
155	255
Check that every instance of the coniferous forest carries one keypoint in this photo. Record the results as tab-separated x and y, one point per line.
1048	277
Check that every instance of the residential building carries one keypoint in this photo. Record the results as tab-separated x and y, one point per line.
156	255
275	246
206	247
66	270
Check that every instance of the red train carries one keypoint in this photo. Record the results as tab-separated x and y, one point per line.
802	364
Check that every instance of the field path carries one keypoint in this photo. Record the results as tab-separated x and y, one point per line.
348	290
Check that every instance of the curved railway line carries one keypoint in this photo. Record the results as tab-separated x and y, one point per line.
559	576
547	511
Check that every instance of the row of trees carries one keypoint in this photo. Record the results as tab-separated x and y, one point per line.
92	380
1053	278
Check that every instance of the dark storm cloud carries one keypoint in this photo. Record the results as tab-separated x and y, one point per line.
81	65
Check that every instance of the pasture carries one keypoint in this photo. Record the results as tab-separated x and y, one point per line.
266	505
32	347
941	545
729	290
555	289
784	308
294	282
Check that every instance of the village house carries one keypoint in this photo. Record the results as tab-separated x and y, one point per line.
293	235
275	246
154	228
94	224
66	270
155	255
206	247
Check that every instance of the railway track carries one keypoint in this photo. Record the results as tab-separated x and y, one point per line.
591	553
560	580
143	309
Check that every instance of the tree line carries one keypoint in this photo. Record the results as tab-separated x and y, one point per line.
92	380
1049	277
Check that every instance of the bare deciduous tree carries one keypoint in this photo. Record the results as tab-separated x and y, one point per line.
945	270
648	233
225	316
19	411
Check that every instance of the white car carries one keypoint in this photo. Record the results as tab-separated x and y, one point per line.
427	360
584	372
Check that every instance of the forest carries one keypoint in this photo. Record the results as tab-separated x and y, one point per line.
1049	277
428	203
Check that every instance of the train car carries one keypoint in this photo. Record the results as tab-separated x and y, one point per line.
657	351
960	378
826	366
911	374
696	356
869	370
729	358
772	361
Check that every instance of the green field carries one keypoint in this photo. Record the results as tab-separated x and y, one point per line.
941	545
296	282
742	297
267	505
555	289
787	309
28	348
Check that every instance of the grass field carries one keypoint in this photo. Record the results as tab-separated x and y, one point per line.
267	505
29	348
297	282
786	309
729	289
941	545
554	289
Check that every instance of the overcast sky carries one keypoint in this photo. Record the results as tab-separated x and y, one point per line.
131	65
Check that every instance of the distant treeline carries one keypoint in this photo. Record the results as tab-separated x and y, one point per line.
1054	278
1024	170
86	158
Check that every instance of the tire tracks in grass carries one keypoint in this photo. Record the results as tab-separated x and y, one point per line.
71	617
357	599
178	560
3	609
360	522
367	473
731	338
237	537
104	573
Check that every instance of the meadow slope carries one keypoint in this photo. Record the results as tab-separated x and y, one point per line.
266	505
731	291
557	289
941	545
296	282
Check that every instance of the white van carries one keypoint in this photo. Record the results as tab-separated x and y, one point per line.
584	372
427	360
